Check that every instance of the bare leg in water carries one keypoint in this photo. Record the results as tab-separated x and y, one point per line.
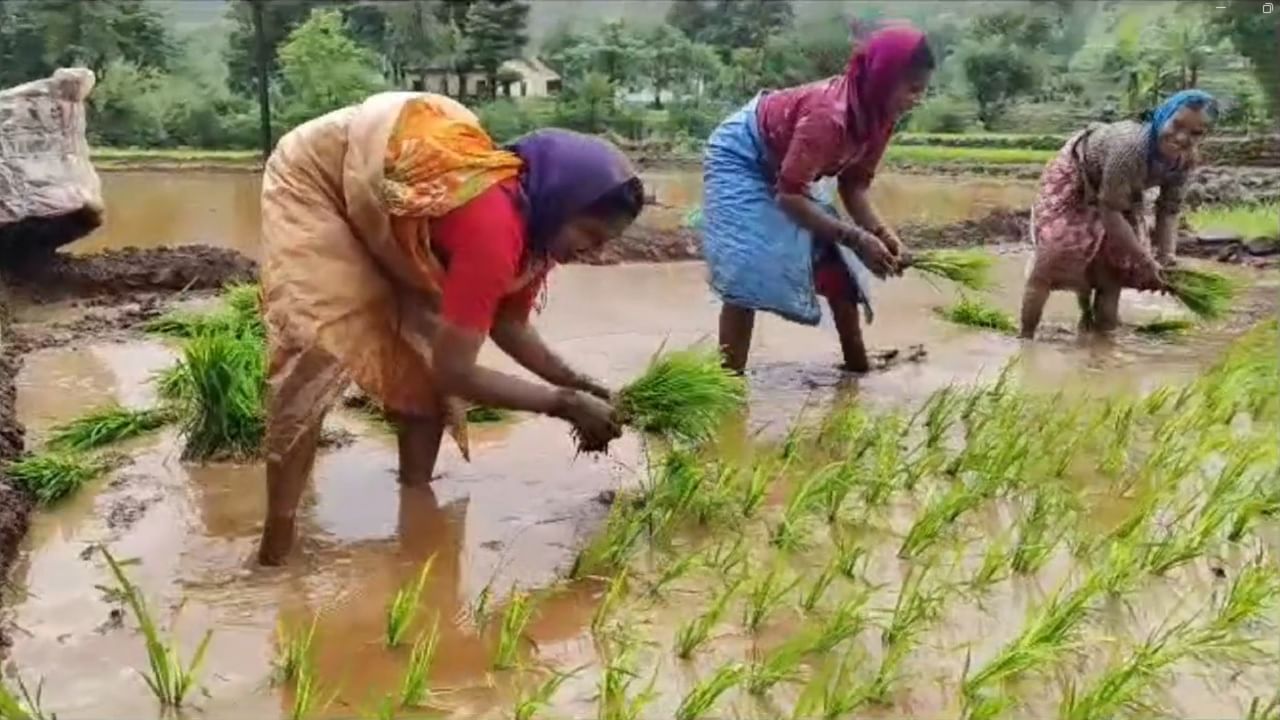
1085	300
418	438
1033	299
736	326
845	314
1106	307
287	475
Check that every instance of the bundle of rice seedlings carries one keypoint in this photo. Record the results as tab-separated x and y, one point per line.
51	476
1165	327
976	313
239	312
225	415
104	426
173	384
482	414
682	396
968	268
1207	294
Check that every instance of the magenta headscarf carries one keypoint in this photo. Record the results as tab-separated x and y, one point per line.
876	67
564	172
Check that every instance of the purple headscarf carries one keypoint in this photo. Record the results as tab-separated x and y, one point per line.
564	172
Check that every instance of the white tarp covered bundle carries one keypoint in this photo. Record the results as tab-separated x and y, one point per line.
44	156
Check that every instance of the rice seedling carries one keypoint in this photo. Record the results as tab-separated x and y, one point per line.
1039	531
832	694
174	385
403	607
764	596
51	476
1052	630
1264	708
616	701
225	414
851	557
613	595
673	571
23	705
970	269
703	696
812	595
307	694
755	489
885	460
104	426
727	558
836	487
848	620
386	709
169	680
1121	569
940	413
529	706
612	548
1207	294
414	688
695	633
683	396
293	649
482	414
782	665
1253	594
791	532
1164	327
994	567
1121	688
916	607
519	611
977	313
938	519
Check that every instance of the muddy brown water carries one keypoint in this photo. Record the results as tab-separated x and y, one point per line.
157	208
514	515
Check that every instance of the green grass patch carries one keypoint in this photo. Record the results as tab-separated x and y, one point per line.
1249	221
111	424
1165	327
974	312
941	155
51	476
108	158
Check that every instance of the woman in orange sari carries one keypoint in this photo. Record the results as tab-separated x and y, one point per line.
397	237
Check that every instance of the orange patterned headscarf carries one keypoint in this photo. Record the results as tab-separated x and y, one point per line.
438	160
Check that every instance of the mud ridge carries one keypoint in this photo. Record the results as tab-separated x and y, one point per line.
15	503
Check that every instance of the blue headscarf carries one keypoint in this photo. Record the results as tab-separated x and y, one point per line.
564	172
1170	107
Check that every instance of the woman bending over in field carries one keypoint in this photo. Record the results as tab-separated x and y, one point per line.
768	239
397	237
1088	222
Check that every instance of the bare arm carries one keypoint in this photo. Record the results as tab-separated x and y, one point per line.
455	351
522	341
1120	231
858	202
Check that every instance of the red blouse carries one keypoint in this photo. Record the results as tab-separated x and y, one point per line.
482	245
806	131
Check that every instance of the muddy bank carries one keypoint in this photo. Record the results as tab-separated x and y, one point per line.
15	504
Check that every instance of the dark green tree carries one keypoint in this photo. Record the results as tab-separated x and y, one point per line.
1257	37
280	17
21	45
748	23
997	73
691	17
496	31
323	68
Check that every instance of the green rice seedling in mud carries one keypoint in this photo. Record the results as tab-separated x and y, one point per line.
812	595
483	414
938	519
612	548
529	706
940	413
833	693
614	593
755	489
511	633
173	384
993	569
765	595
883	471
293	649
917	607
703	696
307	694
404	605
1040	529
970	269
167	677
104	426
616	701
848	619
682	396
695	633
415	690
783	664
225	415
51	476
1051	632
1207	294
835	489
23	705
977	313
673	571
1248	220
792	530
851	557
1165	327
1123	688
1264	708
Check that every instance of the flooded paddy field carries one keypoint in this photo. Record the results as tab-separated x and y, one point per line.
836	554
